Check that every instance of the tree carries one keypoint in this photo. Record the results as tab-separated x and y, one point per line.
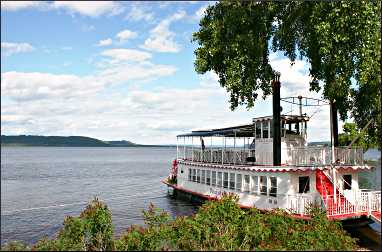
351	132
340	40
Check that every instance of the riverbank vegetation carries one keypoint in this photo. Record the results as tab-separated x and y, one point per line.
217	225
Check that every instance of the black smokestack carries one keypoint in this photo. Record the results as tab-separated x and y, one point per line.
276	121
333	110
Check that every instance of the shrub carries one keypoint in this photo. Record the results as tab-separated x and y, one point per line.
217	225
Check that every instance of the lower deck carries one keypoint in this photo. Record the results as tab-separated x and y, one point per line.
291	188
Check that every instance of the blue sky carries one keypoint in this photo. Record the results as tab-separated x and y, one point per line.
119	70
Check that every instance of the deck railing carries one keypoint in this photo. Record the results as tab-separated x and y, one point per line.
291	156
365	202
360	202
322	156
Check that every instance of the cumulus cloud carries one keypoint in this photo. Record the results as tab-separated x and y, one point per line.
86	8
125	35
12	48
19	5
138	13
126	55
161	39
105	42
89	8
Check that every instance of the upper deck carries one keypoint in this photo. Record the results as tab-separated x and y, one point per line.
251	144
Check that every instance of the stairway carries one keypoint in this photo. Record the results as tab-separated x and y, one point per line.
325	187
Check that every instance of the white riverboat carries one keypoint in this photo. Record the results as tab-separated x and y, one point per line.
268	170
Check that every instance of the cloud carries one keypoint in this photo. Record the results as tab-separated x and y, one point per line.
105	42
12	48
139	14
161	39
89	8
86	8
126	55
200	12
126	35
19	5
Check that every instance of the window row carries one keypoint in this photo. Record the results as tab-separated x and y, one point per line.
258	185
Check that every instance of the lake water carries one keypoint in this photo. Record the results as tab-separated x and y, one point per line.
127	179
42	185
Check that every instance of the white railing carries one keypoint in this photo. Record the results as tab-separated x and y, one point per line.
299	204
363	202
322	156
218	155
292	156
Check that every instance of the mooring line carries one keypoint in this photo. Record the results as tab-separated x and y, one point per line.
69	204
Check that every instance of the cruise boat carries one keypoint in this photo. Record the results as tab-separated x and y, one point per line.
268	164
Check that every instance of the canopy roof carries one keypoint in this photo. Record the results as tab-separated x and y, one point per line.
246	130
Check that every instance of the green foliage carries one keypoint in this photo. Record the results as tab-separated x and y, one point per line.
98	227
351	132
15	246
339	39
217	225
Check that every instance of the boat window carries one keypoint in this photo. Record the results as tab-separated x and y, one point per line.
238	182
220	184
189	174
194	175
225	180
255	185
273	186
347	182
213	183
258	130
265	129
203	177
232	181
303	184
197	175
208	177
271	129
263	185
246	183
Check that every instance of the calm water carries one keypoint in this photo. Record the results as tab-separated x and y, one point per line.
127	179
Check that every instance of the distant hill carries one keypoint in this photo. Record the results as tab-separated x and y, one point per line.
67	141
70	141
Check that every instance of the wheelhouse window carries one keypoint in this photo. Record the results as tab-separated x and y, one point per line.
263	185
208	177
197	175
255	185
303	184
189	174
213	182
347	182
220	180
203	177
258	130
238	182
273	186
246	183
225	180
194	175
232	181
265	129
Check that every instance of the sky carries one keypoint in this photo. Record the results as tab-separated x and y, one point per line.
121	71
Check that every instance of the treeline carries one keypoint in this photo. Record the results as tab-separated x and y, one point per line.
67	141
219	225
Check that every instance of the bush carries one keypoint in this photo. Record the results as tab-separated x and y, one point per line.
217	225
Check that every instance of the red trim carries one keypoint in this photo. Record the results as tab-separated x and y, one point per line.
270	168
